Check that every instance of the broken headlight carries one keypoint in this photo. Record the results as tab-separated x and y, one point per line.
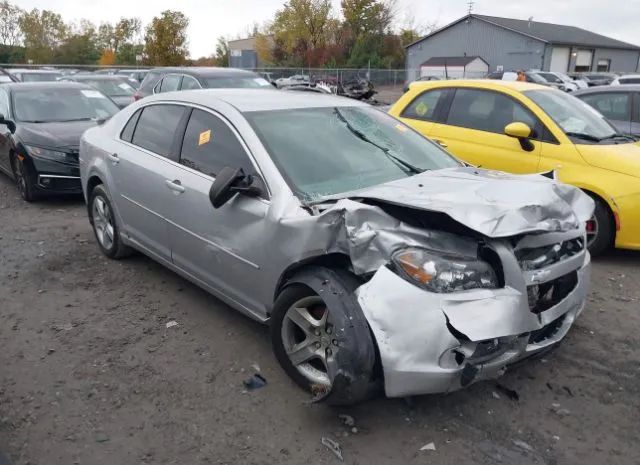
440	272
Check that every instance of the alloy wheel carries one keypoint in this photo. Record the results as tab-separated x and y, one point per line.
308	341
103	222
592	230
21	178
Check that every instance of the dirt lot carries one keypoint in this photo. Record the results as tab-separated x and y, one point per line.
89	373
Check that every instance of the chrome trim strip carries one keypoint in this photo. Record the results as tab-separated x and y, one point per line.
40	176
197	236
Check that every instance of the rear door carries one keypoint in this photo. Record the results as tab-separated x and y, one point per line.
206	242
426	109
142	172
474	131
615	106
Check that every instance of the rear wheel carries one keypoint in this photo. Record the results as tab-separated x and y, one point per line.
24	179
600	228
105	228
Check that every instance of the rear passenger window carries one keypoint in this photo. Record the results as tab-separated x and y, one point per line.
127	132
424	105
189	83
209	145
613	105
156	128
170	83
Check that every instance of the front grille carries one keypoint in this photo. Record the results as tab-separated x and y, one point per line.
544	296
540	257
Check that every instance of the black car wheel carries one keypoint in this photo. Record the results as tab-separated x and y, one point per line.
321	337
600	229
24	179
105	227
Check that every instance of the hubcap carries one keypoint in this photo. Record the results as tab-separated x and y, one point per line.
103	222
592	230
308	340
20	176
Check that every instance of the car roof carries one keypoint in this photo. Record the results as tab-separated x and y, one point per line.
25	86
632	76
248	100
208	71
608	89
495	84
39	71
97	77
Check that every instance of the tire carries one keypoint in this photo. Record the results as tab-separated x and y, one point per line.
105	227
604	224
342	369
24	179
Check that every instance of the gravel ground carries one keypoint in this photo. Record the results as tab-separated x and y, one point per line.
90	374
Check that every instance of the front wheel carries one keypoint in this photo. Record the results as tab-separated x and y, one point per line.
600	229
321	338
24	179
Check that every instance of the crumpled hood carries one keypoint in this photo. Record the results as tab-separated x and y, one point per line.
621	158
63	134
492	203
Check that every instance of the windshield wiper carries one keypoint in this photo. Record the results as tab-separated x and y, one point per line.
72	119
360	135
583	136
623	136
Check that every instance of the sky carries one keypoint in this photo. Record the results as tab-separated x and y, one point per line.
210	19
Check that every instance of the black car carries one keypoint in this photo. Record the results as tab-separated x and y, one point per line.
117	88
169	79
619	104
40	129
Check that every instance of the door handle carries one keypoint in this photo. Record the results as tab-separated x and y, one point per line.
174	185
114	158
440	143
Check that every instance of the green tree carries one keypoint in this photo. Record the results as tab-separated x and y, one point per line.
127	53
10	32
166	39
300	27
43	32
222	52
369	22
124	32
80	45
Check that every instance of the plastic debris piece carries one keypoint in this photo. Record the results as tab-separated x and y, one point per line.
522	445
172	323
256	368
430	446
495	395
347	420
333	446
256	381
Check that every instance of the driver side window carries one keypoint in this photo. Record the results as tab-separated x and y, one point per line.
4	103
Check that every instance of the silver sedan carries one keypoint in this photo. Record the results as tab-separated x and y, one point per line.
376	257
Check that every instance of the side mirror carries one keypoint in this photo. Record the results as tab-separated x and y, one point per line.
229	182
522	132
8	123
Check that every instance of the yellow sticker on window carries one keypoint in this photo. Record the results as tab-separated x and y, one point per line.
205	137
421	109
401	128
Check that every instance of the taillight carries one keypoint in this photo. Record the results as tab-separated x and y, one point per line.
136	97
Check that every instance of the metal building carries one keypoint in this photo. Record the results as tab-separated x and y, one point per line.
511	44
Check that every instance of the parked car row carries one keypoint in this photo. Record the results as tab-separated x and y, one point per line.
322	216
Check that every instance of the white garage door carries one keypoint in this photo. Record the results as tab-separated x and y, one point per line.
559	59
584	58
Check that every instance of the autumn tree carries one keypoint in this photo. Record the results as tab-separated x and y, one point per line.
166	39
300	27
10	32
368	21
43	32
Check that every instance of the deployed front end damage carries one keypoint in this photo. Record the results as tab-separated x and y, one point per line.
506	279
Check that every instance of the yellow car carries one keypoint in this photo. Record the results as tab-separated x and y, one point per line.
526	128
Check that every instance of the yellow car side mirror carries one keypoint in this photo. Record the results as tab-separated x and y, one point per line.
518	130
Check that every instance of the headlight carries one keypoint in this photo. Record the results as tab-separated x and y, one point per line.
48	154
439	272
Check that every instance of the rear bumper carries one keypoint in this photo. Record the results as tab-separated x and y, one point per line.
436	343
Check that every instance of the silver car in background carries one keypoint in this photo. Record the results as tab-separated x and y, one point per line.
376	257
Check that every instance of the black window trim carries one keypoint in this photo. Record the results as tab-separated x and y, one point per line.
180	136
136	115
541	129
443	102
630	101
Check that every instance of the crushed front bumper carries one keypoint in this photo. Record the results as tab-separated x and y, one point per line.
435	343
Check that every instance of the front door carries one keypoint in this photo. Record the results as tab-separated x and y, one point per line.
222	247
474	131
140	171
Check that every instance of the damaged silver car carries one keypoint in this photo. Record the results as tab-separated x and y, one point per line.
376	257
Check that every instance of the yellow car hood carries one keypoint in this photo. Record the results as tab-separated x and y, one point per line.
621	158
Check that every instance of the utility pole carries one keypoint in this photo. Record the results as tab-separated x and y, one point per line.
470	4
